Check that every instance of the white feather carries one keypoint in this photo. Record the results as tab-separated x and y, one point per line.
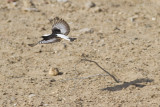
46	34
63	36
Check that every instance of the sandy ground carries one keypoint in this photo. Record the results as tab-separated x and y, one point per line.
122	36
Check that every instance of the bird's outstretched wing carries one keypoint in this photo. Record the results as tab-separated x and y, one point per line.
45	42
60	26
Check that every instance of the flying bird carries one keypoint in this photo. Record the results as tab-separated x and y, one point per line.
60	30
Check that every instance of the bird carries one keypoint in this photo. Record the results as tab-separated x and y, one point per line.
60	30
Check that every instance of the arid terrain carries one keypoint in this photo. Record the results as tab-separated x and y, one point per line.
121	37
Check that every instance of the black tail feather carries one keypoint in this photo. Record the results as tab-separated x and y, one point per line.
72	39
45	37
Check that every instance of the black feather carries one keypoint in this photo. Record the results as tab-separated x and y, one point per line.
56	31
49	37
72	39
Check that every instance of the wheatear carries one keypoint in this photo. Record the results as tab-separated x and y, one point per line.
60	30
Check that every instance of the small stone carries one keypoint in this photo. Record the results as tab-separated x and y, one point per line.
64	46
41	104
45	104
52	80
13	98
90	4
9	21
62	0
153	18
12	4
87	30
11	1
59	99
133	18
97	9
29	6
68	4
103	44
31	95
53	71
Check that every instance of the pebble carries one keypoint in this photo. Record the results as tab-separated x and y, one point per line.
133	18
29	5
12	4
11	1
53	71
45	104
153	18
64	46
52	80
62	0
87	30
97	9
68	4
31	95
90	5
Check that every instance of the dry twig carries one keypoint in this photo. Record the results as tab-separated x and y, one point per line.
99	67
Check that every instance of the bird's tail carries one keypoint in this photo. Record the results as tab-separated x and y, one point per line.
72	39
32	45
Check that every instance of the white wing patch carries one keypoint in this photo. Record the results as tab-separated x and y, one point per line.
63	36
46	34
62	27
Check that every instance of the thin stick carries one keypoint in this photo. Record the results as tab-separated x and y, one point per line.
99	67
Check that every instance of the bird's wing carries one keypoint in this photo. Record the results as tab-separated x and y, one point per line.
48	41
45	42
63	36
60	26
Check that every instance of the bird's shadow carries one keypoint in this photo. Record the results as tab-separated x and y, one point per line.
127	84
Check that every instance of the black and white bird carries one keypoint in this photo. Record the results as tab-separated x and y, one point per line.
60	30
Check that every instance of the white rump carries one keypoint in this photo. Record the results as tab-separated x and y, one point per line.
63	36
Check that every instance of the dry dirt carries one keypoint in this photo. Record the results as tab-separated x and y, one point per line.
122	36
